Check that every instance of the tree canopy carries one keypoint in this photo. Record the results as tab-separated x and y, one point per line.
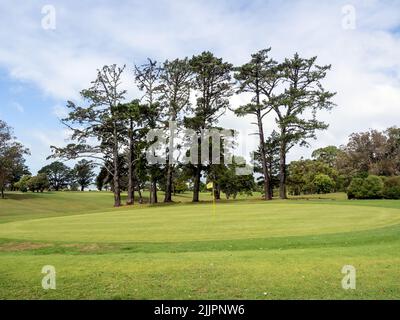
12	162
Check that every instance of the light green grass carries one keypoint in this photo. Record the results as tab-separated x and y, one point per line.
197	223
246	249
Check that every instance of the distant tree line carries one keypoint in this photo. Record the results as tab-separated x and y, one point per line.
366	167
58	176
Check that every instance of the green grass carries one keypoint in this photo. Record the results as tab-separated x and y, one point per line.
243	249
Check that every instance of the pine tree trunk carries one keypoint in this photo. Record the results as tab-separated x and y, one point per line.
267	194
117	191
153	192
267	190
217	191
197	175
131	186
196	186
282	174
170	166
168	189
140	195
271	187
131	180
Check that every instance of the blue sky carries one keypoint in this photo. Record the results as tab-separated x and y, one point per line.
41	69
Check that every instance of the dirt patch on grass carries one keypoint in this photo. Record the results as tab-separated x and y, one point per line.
22	246
70	247
90	247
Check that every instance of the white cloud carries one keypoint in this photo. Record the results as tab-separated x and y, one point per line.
39	142
59	111
17	106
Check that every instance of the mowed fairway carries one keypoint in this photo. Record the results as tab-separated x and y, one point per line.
244	249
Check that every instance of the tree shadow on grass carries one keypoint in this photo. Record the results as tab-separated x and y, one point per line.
20	196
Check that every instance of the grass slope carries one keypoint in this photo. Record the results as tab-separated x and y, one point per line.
247	249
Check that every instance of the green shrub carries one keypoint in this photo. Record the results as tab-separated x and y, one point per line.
391	189
22	184
366	188
323	183
354	191
38	183
373	187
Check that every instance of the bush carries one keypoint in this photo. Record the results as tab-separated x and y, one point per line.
22	184
374	187
180	187
323	183
73	187
391	189
38	183
354	191
366	188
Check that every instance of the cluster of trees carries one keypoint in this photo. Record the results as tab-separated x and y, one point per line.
311	176
366	167
37	183
372	160
290	90
58	176
371	153
319	174
12	162
194	93
15	175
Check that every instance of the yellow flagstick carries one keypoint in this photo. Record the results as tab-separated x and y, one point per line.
210	185
214	205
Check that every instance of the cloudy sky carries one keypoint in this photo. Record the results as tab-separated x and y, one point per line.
41	68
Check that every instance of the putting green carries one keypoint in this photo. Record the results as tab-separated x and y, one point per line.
196	223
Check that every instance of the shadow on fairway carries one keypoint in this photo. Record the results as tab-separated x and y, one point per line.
20	196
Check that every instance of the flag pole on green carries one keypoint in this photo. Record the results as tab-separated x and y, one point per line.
210	186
